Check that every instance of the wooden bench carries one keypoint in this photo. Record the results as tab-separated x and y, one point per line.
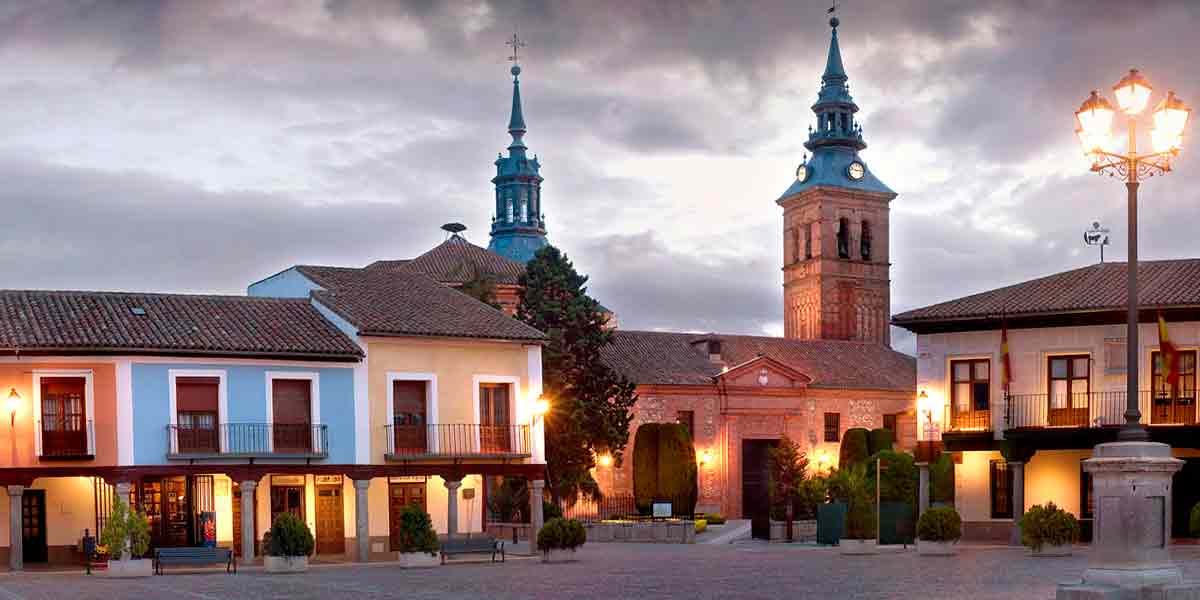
194	556
483	544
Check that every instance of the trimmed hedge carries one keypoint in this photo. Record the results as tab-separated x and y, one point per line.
289	536
564	534
664	468
1048	525
880	440
855	447
939	525
900	477
416	532
645	466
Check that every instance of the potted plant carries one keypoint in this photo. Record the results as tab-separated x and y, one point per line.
559	538
1049	530
417	539
938	530
860	511
288	545
126	535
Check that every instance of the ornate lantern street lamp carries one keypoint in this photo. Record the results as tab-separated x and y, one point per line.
1130	545
1095	118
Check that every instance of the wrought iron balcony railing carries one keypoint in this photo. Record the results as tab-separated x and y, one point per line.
1096	409
248	440
405	442
962	421
65	438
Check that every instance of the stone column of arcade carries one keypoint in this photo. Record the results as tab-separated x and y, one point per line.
923	488
15	547
248	518
452	486
535	511
362	531
1018	500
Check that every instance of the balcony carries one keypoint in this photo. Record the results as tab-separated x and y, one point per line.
1095	409
971	421
248	440
66	438
414	442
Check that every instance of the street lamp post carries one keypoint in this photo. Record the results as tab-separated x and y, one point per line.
1094	118
1132	477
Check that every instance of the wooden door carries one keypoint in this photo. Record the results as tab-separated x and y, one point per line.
237	519
331	537
1069	384
408	417
33	526
493	418
399	496
287	498
292	408
756	493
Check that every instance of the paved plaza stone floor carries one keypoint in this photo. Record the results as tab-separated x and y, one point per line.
612	571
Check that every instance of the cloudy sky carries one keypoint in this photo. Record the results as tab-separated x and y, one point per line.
199	146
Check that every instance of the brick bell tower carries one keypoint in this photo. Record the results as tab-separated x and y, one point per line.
836	284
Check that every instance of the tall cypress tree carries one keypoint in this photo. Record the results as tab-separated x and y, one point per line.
589	402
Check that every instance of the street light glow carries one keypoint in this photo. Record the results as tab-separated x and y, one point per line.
1170	119
1132	92
1095	117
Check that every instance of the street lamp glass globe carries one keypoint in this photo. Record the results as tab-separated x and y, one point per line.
1132	92
1095	122
1170	119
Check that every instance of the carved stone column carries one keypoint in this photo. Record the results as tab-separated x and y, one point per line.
452	486
536	517
248	518
361	515
15	548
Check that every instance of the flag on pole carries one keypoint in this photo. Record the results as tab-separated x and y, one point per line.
1169	367
1006	377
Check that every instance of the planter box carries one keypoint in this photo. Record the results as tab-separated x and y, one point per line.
600	532
857	547
416	560
285	564
558	555
802	530
622	533
137	567
1050	551
927	548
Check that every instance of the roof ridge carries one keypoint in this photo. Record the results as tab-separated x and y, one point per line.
153	294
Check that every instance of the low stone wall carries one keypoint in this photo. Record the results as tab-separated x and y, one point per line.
657	532
504	531
802	531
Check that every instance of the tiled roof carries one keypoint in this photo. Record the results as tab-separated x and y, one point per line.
398	302
457	261
71	321
1099	287
663	358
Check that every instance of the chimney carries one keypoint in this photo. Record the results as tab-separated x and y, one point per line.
709	345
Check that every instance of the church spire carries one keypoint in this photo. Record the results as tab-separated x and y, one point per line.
834	71
835	107
518	225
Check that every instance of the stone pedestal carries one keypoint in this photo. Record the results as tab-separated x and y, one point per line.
1130	555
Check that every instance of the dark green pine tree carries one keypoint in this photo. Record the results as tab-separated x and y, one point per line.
589	403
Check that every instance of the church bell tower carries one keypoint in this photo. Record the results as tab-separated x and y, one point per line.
836	283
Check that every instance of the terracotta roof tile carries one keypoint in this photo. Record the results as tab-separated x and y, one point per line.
34	320
457	261
665	358
1161	284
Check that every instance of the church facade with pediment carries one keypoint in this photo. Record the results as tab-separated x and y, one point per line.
834	368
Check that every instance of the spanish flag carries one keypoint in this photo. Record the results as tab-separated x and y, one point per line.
1169	357
1006	377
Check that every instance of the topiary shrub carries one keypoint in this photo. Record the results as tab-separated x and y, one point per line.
677	468
879	440
855	448
939	525
126	532
645	467
1048	525
899	474
860	509
415	531
551	510
810	494
1194	520
289	536
561	534
941	480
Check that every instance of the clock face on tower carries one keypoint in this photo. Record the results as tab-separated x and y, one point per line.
802	172
856	170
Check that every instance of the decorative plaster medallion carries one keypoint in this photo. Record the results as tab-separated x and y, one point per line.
862	413
763	378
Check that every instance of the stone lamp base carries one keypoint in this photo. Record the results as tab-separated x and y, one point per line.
1130	557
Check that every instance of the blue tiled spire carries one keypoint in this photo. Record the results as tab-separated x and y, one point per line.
837	137
518	225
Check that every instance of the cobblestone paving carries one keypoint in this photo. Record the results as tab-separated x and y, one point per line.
612	571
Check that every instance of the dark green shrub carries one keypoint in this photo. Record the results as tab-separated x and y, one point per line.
677	468
416	532
809	494
939	525
551	511
860	509
880	440
289	537
1048	525
645	466
1193	520
126	533
899	474
509	501
563	534
855	447
787	468
941	480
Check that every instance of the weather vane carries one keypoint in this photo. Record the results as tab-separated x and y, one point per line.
516	44
1096	236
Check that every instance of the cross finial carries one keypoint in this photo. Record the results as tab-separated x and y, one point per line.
833	20
516	44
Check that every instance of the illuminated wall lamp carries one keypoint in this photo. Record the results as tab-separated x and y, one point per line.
605	460
706	457
541	406
13	404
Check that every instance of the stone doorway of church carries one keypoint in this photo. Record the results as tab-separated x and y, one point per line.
756	492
